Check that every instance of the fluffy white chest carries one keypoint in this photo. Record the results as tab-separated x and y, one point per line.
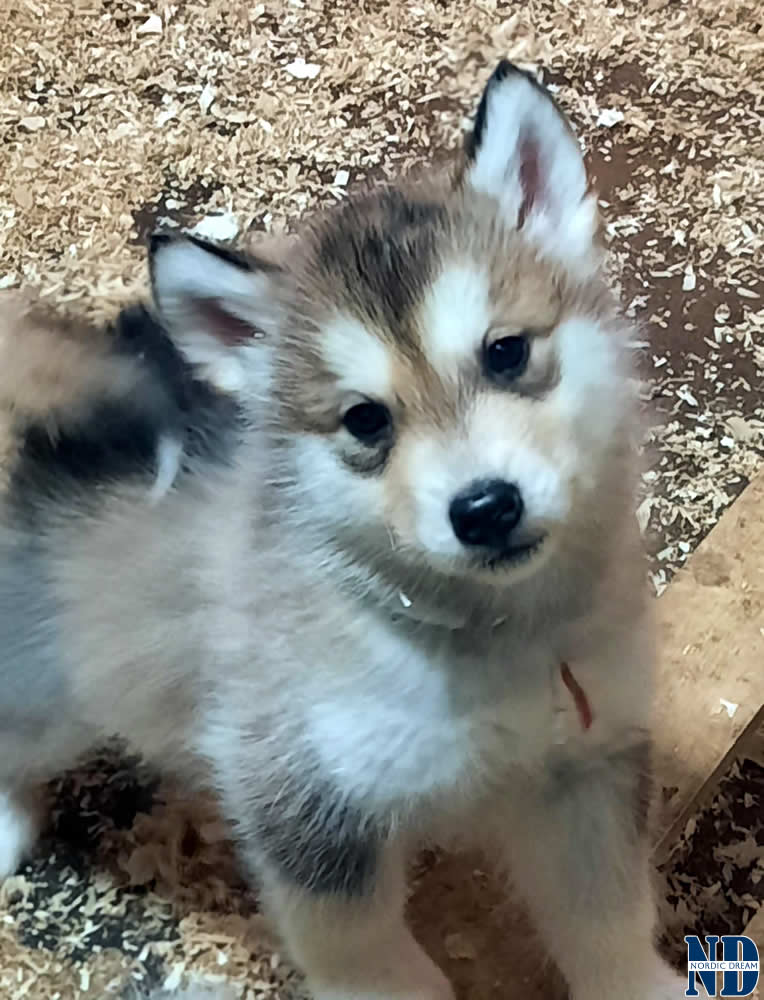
413	723
422	722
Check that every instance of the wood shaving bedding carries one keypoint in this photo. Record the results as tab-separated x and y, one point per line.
117	116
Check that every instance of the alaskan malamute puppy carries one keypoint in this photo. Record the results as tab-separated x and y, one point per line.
360	543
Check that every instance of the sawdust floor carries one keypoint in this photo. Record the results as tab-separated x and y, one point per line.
117	115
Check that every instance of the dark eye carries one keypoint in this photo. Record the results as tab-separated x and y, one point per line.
367	421
507	357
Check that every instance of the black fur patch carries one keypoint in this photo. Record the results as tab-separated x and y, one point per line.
137	334
111	444
320	841
119	437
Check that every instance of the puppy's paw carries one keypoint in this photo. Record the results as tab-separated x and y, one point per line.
19	825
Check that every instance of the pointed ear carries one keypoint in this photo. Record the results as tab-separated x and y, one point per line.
524	153
214	303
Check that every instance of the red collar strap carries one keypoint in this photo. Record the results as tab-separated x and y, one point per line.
580	700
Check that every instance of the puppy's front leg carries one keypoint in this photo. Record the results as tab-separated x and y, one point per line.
337	896
579	853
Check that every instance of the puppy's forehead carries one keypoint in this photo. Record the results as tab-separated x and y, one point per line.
413	282
375	256
372	261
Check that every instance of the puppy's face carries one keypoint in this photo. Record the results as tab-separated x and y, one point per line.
445	360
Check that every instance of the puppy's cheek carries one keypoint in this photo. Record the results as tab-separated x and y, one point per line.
358	500
332	491
576	460
547	507
594	397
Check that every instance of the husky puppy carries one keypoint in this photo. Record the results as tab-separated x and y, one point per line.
403	597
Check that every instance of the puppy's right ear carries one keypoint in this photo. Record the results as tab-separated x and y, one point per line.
523	153
214	304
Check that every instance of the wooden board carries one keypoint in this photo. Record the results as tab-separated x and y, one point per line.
711	682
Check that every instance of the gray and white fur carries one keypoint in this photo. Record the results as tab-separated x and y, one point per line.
394	591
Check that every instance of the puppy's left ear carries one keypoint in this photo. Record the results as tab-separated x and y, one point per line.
215	304
524	153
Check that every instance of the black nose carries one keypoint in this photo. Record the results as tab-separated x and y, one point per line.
486	513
